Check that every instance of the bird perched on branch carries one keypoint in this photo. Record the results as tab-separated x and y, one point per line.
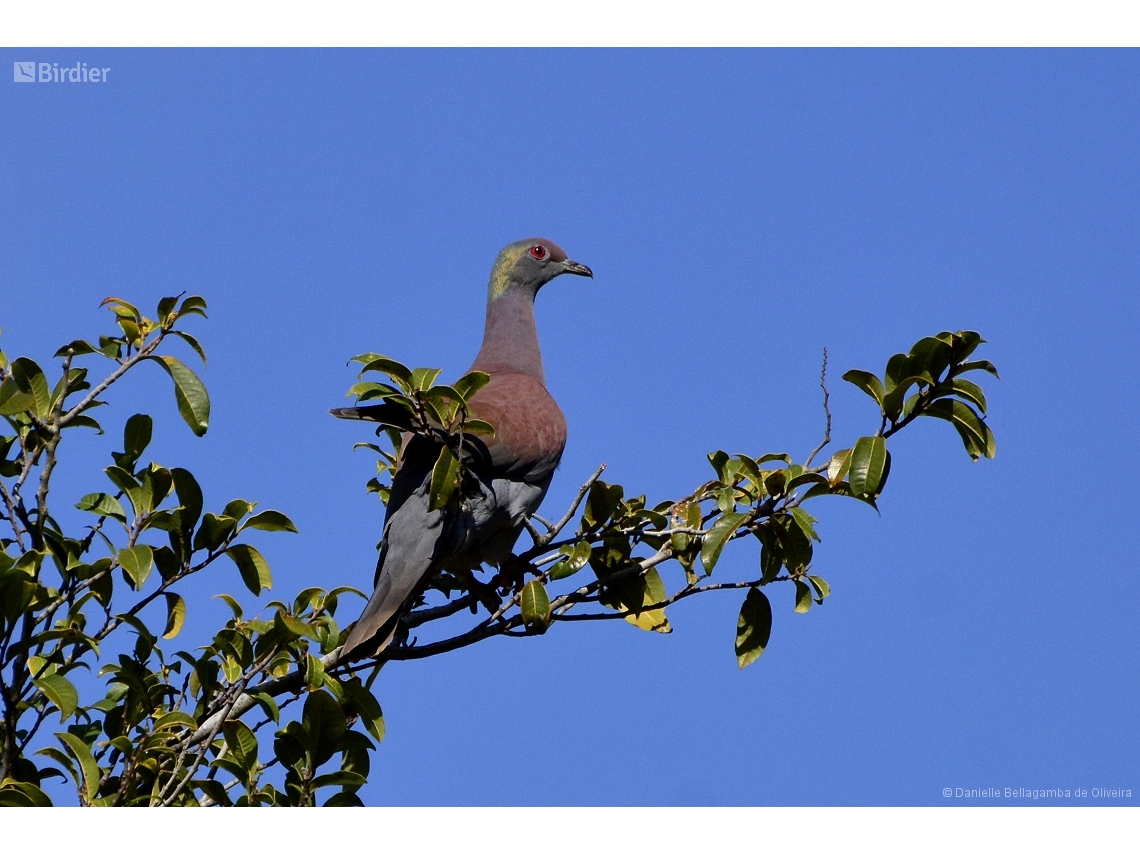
512	470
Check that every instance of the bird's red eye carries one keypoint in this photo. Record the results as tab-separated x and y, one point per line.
538	251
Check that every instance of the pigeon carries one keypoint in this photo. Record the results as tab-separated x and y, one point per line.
508	473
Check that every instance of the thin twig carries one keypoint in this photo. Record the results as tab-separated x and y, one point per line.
826	410
541	541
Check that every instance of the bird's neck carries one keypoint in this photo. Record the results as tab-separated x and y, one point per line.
510	340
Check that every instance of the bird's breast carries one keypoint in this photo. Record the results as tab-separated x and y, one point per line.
530	430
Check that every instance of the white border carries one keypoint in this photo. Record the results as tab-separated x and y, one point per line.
562	23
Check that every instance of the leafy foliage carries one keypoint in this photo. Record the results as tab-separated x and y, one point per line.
159	726
264	713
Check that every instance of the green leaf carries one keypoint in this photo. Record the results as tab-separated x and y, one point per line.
175	720
576	556
396	370
365	705
122	308
470	383
753	628
822	589
189	392
270	521
652	592
971	392
838	466
869	383
92	774
30	380
806	522
61	692
602	501
242	743
803	597
324	726
175	615
189	497
193	342
102	504
194	305
714	540
340	778
979	365
79	347
868	466
136	437
422	378
253	567
267	704
15	793
232	603
137	562
975	433
12	400
139	494
444	479
535	605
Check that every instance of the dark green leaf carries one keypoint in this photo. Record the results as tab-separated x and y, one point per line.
365	705
189	497
136	437
444	479
270	521
868	464
753	628
79	347
976	434
324	726
980	364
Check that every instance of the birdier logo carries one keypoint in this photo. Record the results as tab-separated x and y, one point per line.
51	72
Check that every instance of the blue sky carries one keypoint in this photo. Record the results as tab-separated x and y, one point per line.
741	211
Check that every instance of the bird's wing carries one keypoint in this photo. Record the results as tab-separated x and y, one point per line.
413	537
512	472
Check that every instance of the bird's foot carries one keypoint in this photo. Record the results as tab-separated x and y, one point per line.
484	592
512	575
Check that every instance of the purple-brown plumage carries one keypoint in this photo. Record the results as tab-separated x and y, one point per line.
514	473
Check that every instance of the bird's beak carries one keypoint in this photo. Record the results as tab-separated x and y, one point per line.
576	268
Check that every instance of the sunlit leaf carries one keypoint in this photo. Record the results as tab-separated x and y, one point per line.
535	606
253	567
175	615
189	392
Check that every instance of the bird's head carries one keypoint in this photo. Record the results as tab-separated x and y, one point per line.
526	265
